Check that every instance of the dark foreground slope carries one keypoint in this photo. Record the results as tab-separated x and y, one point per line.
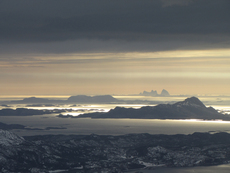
190	108
97	153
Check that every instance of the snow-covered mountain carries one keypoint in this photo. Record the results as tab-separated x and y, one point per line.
190	108
193	102
8	138
101	153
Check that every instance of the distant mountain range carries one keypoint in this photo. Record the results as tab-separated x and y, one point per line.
81	99
163	93
190	108
72	99
93	99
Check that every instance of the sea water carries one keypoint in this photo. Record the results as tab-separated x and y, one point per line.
86	126
201	169
115	126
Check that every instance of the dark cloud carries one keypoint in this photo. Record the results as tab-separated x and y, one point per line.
176	2
153	43
57	26
56	20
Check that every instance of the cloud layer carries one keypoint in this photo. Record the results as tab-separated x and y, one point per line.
114	46
130	20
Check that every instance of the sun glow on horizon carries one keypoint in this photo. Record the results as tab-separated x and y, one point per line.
205	121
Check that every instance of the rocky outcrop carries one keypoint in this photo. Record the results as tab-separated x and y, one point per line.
152	93
165	93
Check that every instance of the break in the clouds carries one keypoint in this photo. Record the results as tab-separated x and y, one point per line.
147	25
114	46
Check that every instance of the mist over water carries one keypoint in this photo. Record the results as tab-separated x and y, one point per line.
86	126
114	126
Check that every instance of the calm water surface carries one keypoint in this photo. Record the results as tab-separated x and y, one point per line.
201	169
122	126
114	126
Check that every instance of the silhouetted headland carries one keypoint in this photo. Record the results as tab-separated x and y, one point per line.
190	108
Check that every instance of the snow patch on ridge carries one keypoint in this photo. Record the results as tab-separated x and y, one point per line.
193	101
8	138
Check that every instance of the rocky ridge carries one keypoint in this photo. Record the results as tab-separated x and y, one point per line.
164	93
7	138
190	108
111	154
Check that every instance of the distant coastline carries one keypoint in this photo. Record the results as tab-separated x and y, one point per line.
190	108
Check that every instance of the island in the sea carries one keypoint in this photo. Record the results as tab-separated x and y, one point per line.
190	108
164	93
71	99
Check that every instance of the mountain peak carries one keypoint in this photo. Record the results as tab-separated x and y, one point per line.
192	101
164	93
153	93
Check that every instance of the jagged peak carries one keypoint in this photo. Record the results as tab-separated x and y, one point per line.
192	101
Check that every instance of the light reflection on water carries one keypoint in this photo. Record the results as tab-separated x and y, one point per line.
201	169
75	110
20	97
204	121
150	98
221	103
123	126
222	109
89	108
113	126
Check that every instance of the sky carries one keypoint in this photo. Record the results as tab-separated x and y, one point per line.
94	47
